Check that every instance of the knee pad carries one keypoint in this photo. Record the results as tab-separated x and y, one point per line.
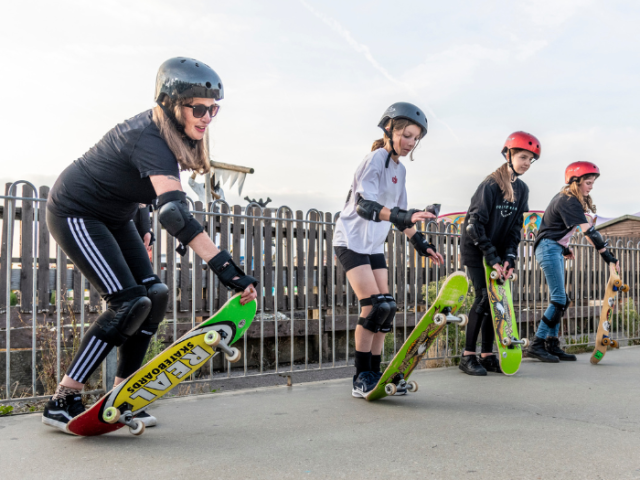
483	305
127	310
158	293
377	316
393	307
557	314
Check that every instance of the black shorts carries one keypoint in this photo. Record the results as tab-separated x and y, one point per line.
350	259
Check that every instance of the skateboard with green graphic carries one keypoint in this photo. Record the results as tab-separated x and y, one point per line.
504	321
603	338
119	407
443	311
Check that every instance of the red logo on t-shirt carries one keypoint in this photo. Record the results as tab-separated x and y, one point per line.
394	179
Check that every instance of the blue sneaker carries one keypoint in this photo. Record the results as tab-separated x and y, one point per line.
363	384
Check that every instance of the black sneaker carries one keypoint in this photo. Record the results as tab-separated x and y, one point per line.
148	419
490	363
57	413
470	365
552	345
537	350
363	384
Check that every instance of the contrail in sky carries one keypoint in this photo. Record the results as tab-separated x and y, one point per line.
361	48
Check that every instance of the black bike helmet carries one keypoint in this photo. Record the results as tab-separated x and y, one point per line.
402	110
182	77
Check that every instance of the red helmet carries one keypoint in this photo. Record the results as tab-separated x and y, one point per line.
524	141
580	169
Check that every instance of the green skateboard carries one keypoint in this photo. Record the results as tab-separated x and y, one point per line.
434	321
175	364
504	321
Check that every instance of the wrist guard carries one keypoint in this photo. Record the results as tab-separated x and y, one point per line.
401	219
512	259
566	251
491	256
422	245
607	257
226	269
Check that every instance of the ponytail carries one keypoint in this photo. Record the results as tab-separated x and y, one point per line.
502	176
377	144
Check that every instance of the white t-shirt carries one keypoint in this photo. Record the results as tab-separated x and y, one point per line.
373	182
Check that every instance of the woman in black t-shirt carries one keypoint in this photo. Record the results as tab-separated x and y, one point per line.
491	231
564	214
90	211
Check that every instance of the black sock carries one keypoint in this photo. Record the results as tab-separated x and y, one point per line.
375	362
363	362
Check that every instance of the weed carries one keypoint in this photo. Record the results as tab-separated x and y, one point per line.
156	347
5	409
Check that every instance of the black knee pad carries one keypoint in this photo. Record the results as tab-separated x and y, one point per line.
393	307
379	312
158	293
483	305
126	312
557	315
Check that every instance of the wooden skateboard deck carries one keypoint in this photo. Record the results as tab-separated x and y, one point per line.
168	369
448	302
603	339
504	321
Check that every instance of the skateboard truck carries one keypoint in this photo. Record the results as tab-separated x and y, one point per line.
510	342
114	415
445	317
399	382
214	340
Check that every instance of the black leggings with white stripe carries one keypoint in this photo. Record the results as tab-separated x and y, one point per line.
116	263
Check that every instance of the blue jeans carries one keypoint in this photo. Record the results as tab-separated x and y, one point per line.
549	256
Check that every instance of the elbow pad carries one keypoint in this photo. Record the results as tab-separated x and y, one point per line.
596	238
173	214
421	244
401	219
368	209
480	240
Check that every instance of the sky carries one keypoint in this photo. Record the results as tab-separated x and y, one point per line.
306	82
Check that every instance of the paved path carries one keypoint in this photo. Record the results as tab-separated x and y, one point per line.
566	421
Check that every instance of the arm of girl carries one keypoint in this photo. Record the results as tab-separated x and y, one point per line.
173	214
595	239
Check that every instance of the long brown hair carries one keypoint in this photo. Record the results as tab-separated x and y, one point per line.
195	159
398	126
573	190
504	177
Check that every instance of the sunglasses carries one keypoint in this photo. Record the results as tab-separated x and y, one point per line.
200	110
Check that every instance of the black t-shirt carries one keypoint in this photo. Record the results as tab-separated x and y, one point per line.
563	214
112	178
501	220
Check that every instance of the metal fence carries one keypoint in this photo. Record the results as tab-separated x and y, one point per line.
307	311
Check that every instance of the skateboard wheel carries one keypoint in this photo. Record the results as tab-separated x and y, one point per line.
412	386
439	319
624	288
606	341
513	277
212	338
617	283
494	275
390	389
615	344
234	357
111	415
506	341
463	320
138	429
525	343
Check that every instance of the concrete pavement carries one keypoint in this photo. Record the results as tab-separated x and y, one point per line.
560	421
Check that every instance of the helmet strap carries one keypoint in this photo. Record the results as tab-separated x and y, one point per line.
513	170
393	150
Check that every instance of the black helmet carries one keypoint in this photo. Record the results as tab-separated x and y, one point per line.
182	77
405	110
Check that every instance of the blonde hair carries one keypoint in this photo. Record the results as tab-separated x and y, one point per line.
504	177
573	190
398	126
189	158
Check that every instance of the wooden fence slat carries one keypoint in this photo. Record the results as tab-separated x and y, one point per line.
258	240
212	298
184	283
311	259
300	259
328	233
171	258
222	292
26	251
5	259
279	276
44	253
197	266
78	291
268	261
289	252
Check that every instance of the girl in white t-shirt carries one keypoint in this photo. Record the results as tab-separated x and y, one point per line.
377	199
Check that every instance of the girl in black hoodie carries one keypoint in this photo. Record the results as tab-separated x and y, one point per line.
491	230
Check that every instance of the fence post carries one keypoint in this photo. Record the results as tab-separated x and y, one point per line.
110	364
